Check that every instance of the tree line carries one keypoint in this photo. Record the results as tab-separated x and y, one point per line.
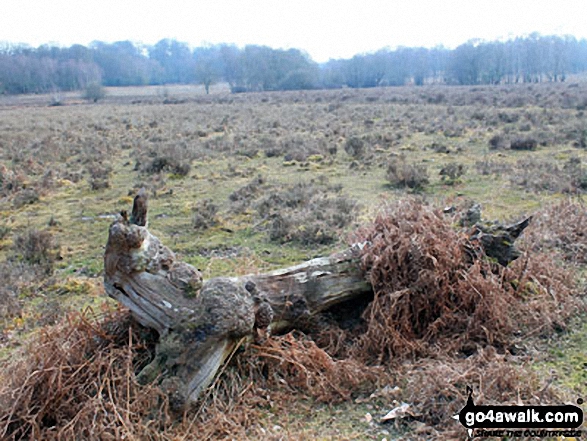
534	58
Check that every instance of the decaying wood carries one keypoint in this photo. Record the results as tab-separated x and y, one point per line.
498	240
200	323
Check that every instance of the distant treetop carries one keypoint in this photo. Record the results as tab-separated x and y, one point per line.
534	58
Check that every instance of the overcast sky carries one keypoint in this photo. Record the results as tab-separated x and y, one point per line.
323	28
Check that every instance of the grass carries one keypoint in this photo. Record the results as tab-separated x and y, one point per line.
567	361
228	141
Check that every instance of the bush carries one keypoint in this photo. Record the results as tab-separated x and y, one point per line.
298	80
318	223
15	276
577	175
300	148
497	142
355	147
58	392
10	181
545	175
400	173
430	295
242	197
181	169
205	215
99	176
451	173
307	213
508	118
175	159
490	167
560	229
36	248
523	144
94	92
439	147
238	89
27	196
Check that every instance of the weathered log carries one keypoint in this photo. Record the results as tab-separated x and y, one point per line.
201	323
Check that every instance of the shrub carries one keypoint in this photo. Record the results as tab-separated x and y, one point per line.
205	215
577	175
439	147
307	213
490	167
56	101
238	89
523	144
355	147
560	228
317	223
401	173
15	276
298	79
497	142
508	117
37	248
94	92
181	169
10	181
242	197
99	176
175	159
544	175
24	197
451	173
59	392
300	148
430	295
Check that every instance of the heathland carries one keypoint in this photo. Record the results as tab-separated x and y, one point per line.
243	183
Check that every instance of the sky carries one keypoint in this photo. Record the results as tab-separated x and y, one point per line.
323	28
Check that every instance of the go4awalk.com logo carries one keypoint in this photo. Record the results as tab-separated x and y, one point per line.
520	421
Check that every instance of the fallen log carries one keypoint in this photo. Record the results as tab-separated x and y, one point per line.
201	323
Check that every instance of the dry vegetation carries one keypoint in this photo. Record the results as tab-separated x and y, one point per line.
245	183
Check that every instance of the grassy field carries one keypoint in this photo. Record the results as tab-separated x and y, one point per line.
252	182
